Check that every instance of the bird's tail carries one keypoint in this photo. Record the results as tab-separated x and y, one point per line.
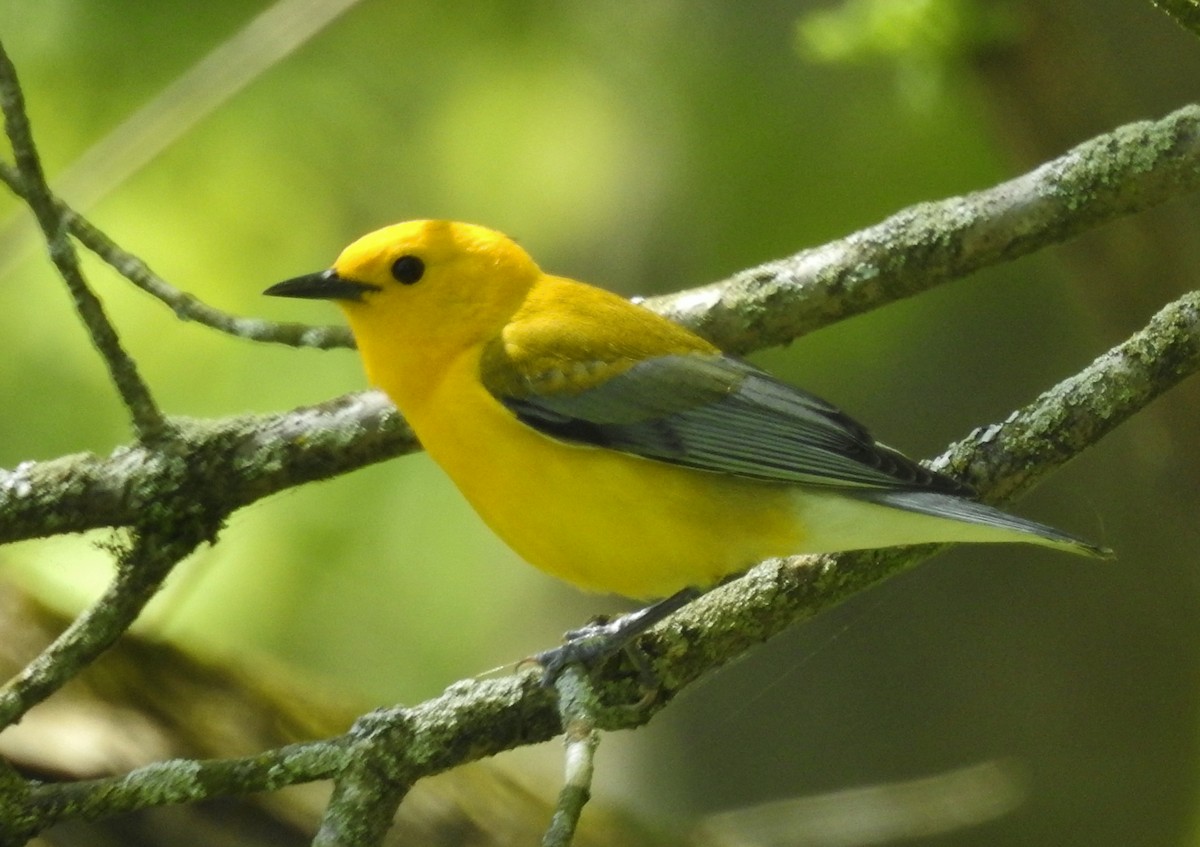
970	511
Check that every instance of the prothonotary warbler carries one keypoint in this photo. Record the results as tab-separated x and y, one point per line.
611	447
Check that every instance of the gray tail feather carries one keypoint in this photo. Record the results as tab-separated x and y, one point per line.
960	509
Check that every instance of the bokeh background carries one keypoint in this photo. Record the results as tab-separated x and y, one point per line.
650	147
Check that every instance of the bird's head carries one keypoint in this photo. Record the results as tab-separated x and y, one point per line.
431	287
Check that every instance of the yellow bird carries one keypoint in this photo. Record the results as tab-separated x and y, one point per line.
611	447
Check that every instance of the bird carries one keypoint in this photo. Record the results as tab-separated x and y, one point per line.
611	447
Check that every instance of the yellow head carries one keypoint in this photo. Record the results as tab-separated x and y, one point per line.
425	291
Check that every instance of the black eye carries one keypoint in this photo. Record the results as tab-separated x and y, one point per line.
408	269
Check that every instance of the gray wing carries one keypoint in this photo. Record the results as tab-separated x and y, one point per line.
716	413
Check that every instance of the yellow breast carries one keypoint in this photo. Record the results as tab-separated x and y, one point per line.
600	519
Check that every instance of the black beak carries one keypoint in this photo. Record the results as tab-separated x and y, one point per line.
326	285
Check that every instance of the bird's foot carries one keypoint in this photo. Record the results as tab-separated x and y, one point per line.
587	646
592	644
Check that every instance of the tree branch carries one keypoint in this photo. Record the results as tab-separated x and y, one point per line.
1003	460
367	792
1132	168
475	719
577	707
470	721
911	251
140	573
235	461
174	781
174	493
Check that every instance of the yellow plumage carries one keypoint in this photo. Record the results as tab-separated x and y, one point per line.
609	446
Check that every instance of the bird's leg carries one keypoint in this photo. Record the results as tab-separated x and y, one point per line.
595	642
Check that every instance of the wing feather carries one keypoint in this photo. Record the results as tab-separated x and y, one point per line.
715	413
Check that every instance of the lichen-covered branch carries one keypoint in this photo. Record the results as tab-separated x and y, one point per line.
913	250
141	569
470	721
1083	408
173	781
577	706
1004	460
480	718
234	461
1134	167
368	790
176	485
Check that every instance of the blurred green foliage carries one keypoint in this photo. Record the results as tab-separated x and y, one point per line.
648	149
927	42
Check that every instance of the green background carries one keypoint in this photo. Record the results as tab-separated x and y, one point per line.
650	147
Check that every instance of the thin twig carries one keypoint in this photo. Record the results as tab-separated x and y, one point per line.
578	706
186	306
147	420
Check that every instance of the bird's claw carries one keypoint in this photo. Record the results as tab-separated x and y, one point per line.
587	646
592	644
